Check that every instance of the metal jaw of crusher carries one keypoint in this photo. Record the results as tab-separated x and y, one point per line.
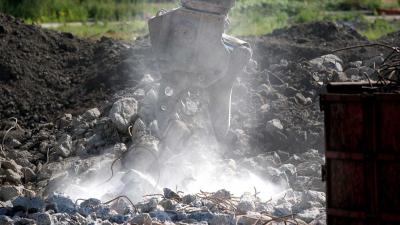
198	63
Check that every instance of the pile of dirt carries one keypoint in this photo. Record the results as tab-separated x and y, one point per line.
45	73
306	41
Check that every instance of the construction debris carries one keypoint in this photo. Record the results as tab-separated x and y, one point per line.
72	137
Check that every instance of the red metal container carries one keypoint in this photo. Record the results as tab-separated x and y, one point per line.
393	11
362	132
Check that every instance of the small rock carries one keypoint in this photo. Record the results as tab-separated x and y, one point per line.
301	99
13	177
29	174
89	206
355	64
91	115
42	218
309	169
289	169
283	209
10	164
309	214
187	199
149	206
160	215
201	216
222	219
319	220
14	143
62	203
119	218
121	206
5	220
64	145
65	121
327	62
33	205
28	193
374	62
352	72
169	194
245	205
24	221
168	204
143	219
122	113
274	125
7	192
222	194
251	219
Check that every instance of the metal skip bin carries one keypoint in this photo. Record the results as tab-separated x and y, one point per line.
362	171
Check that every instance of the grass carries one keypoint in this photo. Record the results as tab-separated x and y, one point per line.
380	27
128	30
127	19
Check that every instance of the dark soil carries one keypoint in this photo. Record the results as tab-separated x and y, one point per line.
45	73
307	41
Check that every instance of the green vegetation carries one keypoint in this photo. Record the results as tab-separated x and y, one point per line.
258	17
126	19
79	10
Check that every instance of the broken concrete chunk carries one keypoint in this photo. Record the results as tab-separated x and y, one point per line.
143	219
64	145
327	62
7	192
91	115
122	113
273	126
31	204
62	204
42	218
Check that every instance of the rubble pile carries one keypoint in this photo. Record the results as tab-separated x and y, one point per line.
276	133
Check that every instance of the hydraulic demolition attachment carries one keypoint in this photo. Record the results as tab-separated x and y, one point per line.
199	64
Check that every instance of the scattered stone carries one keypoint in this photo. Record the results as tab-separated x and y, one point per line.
283	209
245	205
62	204
91	115
222	219
30	204
5	220
309	215
122	113
327	62
64	145
143	219
7	192
13	176
29	174
160	215
274	125
42	218
374	62
355	64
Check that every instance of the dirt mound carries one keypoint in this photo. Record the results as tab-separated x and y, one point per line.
304	42
45	73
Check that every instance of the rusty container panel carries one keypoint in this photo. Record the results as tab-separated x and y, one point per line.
362	132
